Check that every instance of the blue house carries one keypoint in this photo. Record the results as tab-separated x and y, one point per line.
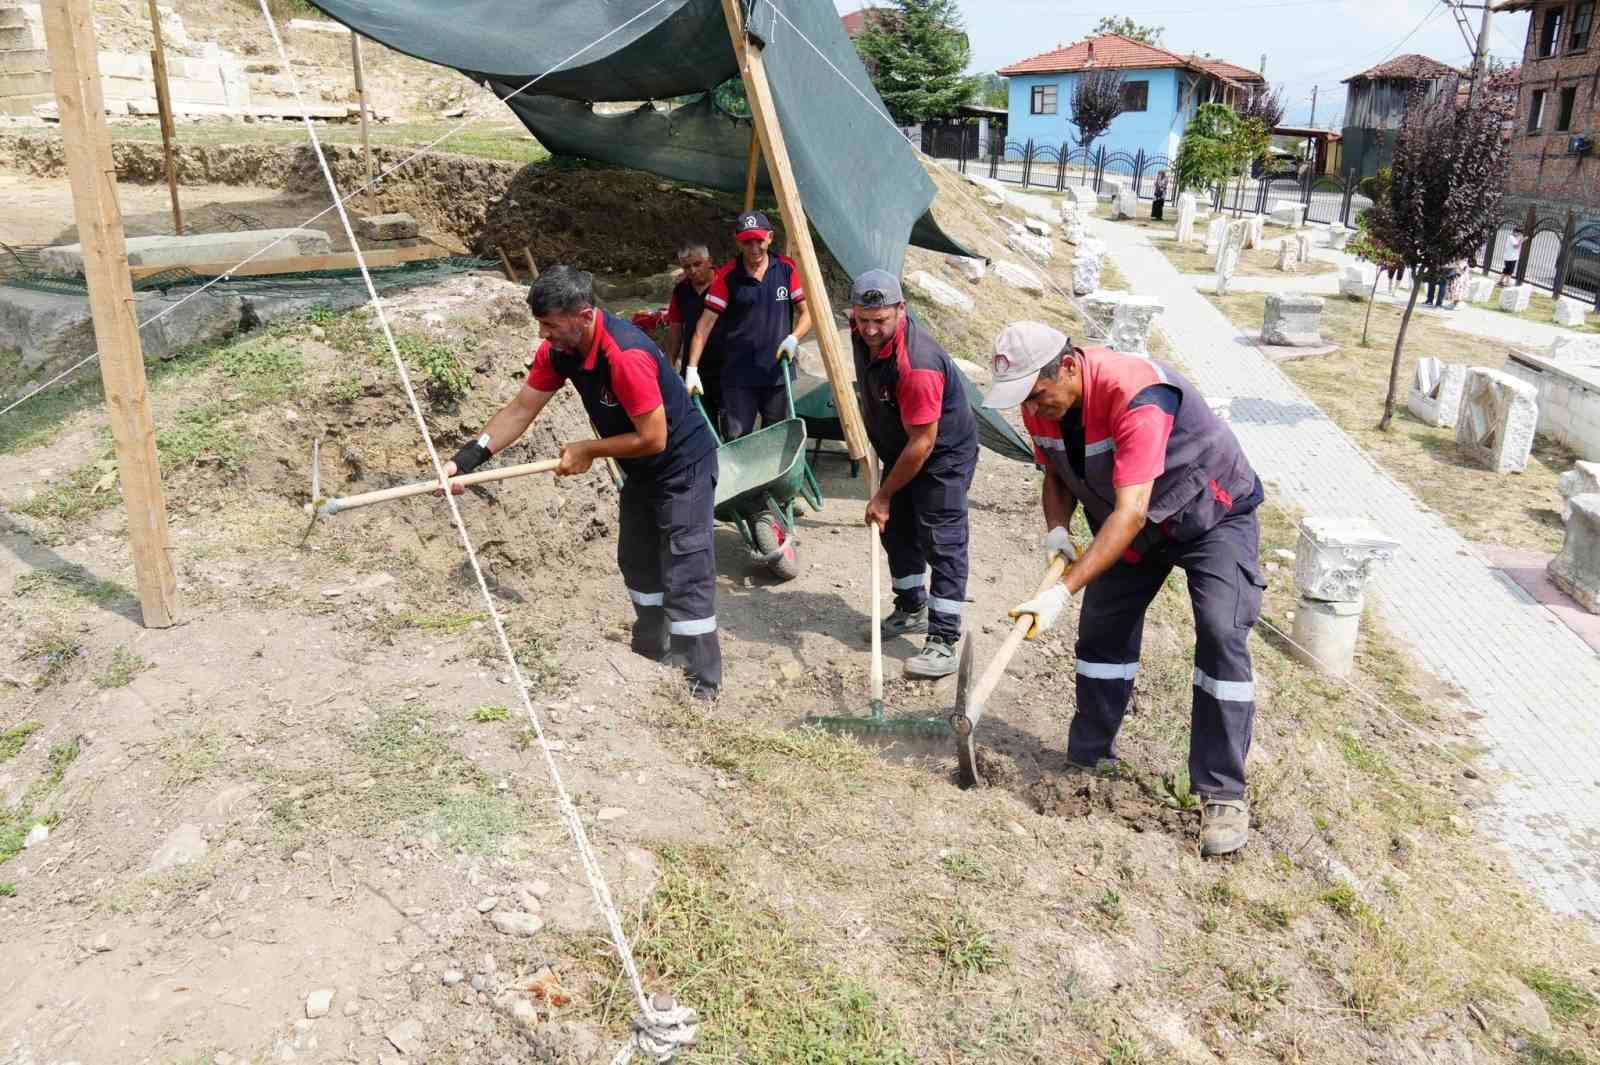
1160	91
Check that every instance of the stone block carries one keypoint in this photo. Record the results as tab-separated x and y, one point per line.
1571	313
1497	419
1582	479
1215	231
1335	556
1576	570
1085	273
992	200
398	226
1435	397
1019	277
973	270
1233	242
16	39
53	330
1288	256
1339	236
31	61
1040	248
1034	206
1099	308
1131	322
1287	213
1037	226
1184	233
1255	232
1303	242
1081	195
1480	290
1516	298
1127	203
1357	280
1293	319
1579	351
195	248
940	292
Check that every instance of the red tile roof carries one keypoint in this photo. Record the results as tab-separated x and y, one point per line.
855	23
1406	68
1116	52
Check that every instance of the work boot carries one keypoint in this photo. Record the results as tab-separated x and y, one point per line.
936	659
906	623
1224	826
702	692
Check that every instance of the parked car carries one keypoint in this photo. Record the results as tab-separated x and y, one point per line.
1583	270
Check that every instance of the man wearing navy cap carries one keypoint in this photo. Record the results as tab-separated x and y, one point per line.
755	309
643	420
915	407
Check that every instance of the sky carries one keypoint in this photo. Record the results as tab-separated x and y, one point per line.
1308	43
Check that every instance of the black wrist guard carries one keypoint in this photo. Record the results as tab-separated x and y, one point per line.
471	457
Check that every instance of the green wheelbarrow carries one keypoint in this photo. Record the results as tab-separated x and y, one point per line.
758	478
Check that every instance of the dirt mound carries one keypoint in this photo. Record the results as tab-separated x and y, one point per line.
605	219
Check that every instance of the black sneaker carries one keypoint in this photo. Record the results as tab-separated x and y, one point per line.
905	623
702	692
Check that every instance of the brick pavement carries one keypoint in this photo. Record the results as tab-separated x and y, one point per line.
1535	684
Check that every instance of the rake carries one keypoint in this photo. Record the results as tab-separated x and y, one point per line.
320	508
877	723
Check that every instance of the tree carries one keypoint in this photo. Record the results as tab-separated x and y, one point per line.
916	58
1096	102
1443	200
1126	27
1219	145
992	91
1267	106
1365	246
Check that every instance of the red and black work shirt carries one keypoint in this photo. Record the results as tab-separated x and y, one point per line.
910	382
684	309
623	376
1141	421
753	319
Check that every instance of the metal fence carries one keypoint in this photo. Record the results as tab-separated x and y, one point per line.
1560	255
1327	198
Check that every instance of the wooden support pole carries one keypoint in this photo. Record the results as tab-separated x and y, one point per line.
505	264
752	170
773	147
86	143
169	129
533	267
361	100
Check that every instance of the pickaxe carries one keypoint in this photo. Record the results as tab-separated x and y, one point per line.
970	702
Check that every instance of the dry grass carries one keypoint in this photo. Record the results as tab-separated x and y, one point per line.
490	140
1512	510
1257	262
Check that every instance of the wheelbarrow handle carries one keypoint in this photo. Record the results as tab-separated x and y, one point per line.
788	383
701	407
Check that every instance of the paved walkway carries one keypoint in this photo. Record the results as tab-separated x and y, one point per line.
1535	683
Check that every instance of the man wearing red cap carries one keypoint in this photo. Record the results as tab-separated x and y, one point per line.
1164	485
755	310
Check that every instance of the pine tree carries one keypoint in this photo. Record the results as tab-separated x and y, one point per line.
917	55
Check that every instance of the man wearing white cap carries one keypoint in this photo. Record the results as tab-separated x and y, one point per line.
1164	485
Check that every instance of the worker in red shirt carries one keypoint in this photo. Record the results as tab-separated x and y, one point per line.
643	420
915	408
755	309
1164	484
683	314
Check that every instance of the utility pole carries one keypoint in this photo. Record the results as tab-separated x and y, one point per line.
1480	60
1313	122
86	144
1263	64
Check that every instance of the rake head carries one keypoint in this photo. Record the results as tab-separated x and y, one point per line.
879	725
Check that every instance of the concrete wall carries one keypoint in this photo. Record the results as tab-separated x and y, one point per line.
1156	130
1569	400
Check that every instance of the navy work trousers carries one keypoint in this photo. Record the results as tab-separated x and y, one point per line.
928	529
742	407
1225	586
668	561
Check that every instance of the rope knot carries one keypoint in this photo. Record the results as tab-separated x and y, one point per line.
664	1028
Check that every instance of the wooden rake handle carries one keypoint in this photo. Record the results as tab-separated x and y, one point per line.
1019	631
405	491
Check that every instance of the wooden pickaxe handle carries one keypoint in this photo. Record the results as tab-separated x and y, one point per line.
1019	631
405	491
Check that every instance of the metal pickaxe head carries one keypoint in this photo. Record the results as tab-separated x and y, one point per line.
963	722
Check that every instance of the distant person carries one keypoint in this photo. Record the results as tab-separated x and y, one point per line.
688	304
1160	197
754	309
1513	256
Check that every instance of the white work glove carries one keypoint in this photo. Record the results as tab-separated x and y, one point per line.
790	347
1045	607
1057	542
692	380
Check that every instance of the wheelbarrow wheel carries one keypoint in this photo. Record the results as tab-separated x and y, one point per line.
776	548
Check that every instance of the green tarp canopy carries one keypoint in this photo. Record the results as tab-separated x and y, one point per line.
865	192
